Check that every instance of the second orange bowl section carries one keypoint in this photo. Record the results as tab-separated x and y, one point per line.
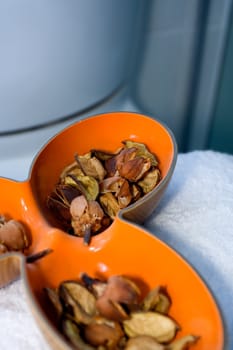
124	247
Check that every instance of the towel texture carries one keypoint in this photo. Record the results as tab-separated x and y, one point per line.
195	217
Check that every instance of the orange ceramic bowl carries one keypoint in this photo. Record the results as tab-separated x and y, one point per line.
123	248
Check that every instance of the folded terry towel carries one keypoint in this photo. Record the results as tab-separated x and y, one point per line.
195	217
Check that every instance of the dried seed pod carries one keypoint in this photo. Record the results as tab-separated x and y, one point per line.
113	164
142	150
150	180
143	342
87	185
86	216
14	236
71	169
103	332
91	166
119	187
134	169
157	300
119	291
53	297
77	302
72	333
182	343
152	324
80	295
94	285
110	309
109	204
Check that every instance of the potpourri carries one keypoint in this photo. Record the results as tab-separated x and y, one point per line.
92	189
111	314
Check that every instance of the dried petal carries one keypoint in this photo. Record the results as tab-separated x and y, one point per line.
152	324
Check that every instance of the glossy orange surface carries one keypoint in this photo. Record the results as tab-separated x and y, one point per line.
124	248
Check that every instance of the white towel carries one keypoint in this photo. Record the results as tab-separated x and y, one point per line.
195	217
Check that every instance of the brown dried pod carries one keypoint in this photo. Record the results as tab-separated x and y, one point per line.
113	164
120	291
103	332
119	187
153	324
143	342
14	236
86	216
134	169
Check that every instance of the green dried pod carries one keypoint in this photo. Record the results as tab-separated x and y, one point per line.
77	301
142	150
87	185
72	333
72	169
157	300
109	204
91	166
150	180
153	324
